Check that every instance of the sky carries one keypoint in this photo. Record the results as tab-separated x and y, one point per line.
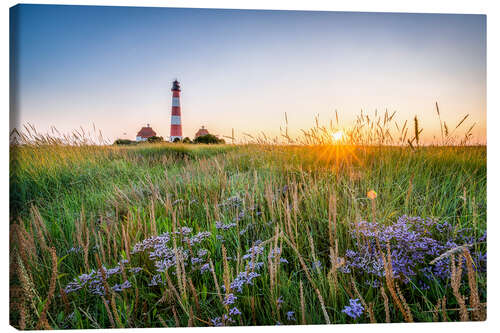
113	67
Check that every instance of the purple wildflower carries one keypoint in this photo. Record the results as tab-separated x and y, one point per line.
221	226
135	270
230	299
217	321
316	264
204	268
354	309
234	312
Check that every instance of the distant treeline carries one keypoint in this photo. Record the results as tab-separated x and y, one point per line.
206	139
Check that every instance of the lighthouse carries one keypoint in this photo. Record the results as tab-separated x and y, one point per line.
175	120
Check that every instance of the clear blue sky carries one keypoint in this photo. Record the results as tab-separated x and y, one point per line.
113	67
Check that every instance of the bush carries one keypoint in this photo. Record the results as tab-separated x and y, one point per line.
187	140
209	139
124	142
155	139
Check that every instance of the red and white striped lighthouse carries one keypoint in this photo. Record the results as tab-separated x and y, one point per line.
175	120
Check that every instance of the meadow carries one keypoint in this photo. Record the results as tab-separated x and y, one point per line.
262	233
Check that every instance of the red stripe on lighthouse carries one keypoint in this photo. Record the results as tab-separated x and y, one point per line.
175	130
176	110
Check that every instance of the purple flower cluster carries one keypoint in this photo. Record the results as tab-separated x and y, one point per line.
205	268
221	226
76	249
254	251
414	242
93	281
162	254
316	265
354	309
243	278
156	280
234	312
121	287
199	237
232	202
230	299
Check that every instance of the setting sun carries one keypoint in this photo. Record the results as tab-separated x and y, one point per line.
337	136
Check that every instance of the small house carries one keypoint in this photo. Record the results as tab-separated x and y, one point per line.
145	133
202	131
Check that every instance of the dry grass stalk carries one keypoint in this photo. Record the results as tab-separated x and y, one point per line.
24	242
389	279
302	304
478	312
408	193
27	284
443	308
22	315
110	315
271	272
42	322
64	297
332	219
191	316
40	228
252	306
86	246
195	295
450	252
125	236
153	219
456	276
103	277
115	311
386	304
313	252
226	270
403	300
136	302
108	237
212	269
178	254
358	293
277	254
435	312
172	289
115	247
184	280
371	314
334	266
176	317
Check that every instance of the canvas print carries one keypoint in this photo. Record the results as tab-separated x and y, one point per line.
184	167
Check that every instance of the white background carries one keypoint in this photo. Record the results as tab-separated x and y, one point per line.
490	8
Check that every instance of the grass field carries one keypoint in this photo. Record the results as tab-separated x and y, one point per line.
193	235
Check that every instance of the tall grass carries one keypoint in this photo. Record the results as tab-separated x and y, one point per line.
287	213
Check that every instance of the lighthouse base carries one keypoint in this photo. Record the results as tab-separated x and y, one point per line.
173	138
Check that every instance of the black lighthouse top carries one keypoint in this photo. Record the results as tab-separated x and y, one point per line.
176	86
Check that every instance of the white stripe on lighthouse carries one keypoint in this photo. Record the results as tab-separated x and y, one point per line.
175	101
176	120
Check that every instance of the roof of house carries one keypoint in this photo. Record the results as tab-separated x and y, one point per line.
146	132
201	131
